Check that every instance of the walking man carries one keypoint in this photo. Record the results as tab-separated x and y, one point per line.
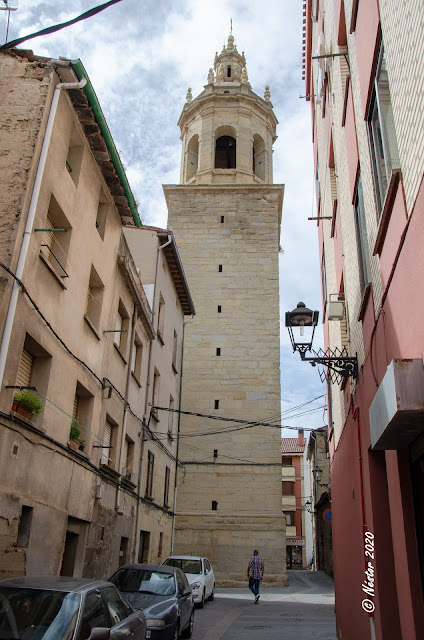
255	573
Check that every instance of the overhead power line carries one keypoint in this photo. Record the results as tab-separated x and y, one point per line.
58	27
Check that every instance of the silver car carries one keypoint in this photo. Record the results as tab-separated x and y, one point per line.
54	608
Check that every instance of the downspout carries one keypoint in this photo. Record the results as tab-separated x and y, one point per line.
4	348
178	441
118	507
146	400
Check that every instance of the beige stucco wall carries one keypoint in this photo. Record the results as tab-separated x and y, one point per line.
68	490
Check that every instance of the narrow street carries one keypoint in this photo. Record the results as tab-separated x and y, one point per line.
302	611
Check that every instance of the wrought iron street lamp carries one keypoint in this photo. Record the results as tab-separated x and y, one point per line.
317	472
339	364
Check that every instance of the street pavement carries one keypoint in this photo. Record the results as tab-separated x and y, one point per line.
301	611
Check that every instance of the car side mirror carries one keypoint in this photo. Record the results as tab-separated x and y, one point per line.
99	633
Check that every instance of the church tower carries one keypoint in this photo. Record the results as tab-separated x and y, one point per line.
226	216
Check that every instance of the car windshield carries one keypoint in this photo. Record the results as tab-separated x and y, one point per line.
187	565
37	614
144	581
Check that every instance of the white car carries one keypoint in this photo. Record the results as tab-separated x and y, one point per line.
199	574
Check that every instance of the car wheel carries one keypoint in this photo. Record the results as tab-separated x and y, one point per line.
212	595
189	628
176	634
202	602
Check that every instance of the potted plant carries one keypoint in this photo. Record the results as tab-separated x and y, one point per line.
75	441
27	404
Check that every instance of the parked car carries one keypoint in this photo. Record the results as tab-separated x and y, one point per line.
163	593
55	608
199	573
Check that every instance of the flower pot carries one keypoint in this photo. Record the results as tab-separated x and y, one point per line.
74	444
18	408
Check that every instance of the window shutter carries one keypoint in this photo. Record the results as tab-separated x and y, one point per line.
107	437
24	372
48	237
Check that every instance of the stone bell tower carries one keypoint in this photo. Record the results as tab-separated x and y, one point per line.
226	216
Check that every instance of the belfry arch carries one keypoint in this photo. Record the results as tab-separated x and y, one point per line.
259	156
225	148
192	157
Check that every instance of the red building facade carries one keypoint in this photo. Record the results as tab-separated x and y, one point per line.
293	503
363	68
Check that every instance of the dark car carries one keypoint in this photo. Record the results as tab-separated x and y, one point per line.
54	608
163	593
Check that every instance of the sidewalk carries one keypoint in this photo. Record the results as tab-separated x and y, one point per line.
311	587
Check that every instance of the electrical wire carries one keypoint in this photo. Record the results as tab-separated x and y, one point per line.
58	27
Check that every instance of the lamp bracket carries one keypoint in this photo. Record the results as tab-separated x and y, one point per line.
339	364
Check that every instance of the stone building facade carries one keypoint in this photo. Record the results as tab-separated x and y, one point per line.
363	73
320	500
293	490
89	482
226	216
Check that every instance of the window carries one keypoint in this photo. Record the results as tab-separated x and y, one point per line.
116	604
94	299
121	328
101	215
290	518
220	268
288	488
219	308
161	319
214	505
381	133
160	544
175	352
229	71
150	470
74	157
109	441
55	239
287	462
216	404
317	188
362	238
137	358
324	278
129	459
82	410
225	153
166	490
218	351
222	219
94	615
24	528
34	369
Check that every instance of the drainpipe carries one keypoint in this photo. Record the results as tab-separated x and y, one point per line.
178	440
126	408
146	400
4	348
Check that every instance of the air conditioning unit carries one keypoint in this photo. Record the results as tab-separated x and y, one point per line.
335	308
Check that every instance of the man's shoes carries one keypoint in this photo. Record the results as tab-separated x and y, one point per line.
257	598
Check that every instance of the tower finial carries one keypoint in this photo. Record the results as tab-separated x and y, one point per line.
231	26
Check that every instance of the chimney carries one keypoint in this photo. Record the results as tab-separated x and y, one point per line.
300	437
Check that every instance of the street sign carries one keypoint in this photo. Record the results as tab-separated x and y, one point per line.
327	516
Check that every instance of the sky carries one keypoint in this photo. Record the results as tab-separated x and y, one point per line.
141	57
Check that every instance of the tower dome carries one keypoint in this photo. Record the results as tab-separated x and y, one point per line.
227	131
